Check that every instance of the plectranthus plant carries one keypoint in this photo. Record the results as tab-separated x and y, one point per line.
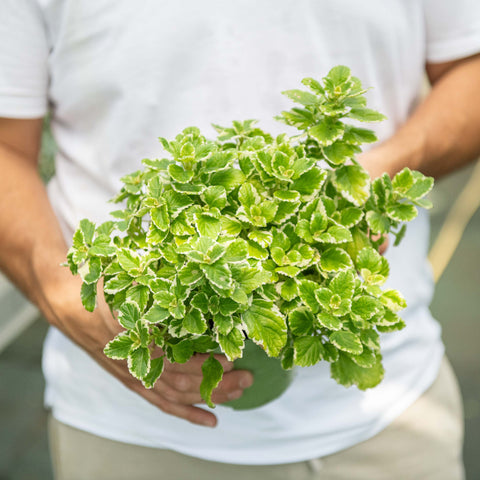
274	239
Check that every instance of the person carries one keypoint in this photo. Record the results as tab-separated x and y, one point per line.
115	75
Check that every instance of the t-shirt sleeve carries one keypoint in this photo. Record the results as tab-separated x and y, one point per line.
452	29
23	60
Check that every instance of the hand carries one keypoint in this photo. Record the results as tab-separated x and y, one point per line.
178	388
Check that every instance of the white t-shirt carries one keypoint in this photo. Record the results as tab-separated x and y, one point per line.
116	74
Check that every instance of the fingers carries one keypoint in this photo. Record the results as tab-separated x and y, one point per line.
194	365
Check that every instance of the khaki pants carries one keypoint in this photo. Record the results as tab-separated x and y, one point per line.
423	443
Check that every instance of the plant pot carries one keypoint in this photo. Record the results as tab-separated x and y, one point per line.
270	379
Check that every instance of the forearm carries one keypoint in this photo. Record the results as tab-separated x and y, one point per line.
31	243
442	134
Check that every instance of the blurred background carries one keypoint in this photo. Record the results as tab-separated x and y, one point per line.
23	437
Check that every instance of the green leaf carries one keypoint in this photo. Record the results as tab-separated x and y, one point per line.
156	369
219	274
194	322
179	174
339	75
232	344
118	283
190	274
343	284
353	183
308	351
366	115
88	229
212	375
237	251
139	294
377	222
309	182
357	135
160	217
338	153
91	271
327	132
306	291
393	300
182	351
366	307
215	196
207	225
348	373
156	314
301	321
289	289
266	326
229	178
302	97
128	261
88	294
200	301
128	315
102	247
402	212
335	259
329	321
350	216
314	85
347	342
119	347
139	362
403	180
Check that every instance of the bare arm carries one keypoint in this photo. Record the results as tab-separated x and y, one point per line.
443	134
31	250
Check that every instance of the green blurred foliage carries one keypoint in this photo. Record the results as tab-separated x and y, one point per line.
47	153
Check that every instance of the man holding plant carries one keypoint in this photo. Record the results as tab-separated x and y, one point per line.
114	76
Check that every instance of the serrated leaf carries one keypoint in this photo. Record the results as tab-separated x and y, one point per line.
343	284
232	343
128	315
289	289
347	342
128	261
215	196
118	283
194	322
348	373
88	294
160	217
190	274
335	259
256	251
236	251
228	178
393	300
119	347
156	369
366	307
370	259
156	314
301	321
266	326
338	153
308	351
179	174
377	222
366	115
306	291
353	183
182	351
212	375
208	226
302	97
139	294
139	362
91	271
310	181
219	274
200	301
327	132
402	212
350	216
88	229
329	321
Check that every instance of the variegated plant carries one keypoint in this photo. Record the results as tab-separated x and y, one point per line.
250	236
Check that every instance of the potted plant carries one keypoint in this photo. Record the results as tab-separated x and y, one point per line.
250	236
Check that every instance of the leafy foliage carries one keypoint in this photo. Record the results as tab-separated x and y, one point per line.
255	236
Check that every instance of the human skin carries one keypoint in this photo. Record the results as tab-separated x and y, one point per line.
439	137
